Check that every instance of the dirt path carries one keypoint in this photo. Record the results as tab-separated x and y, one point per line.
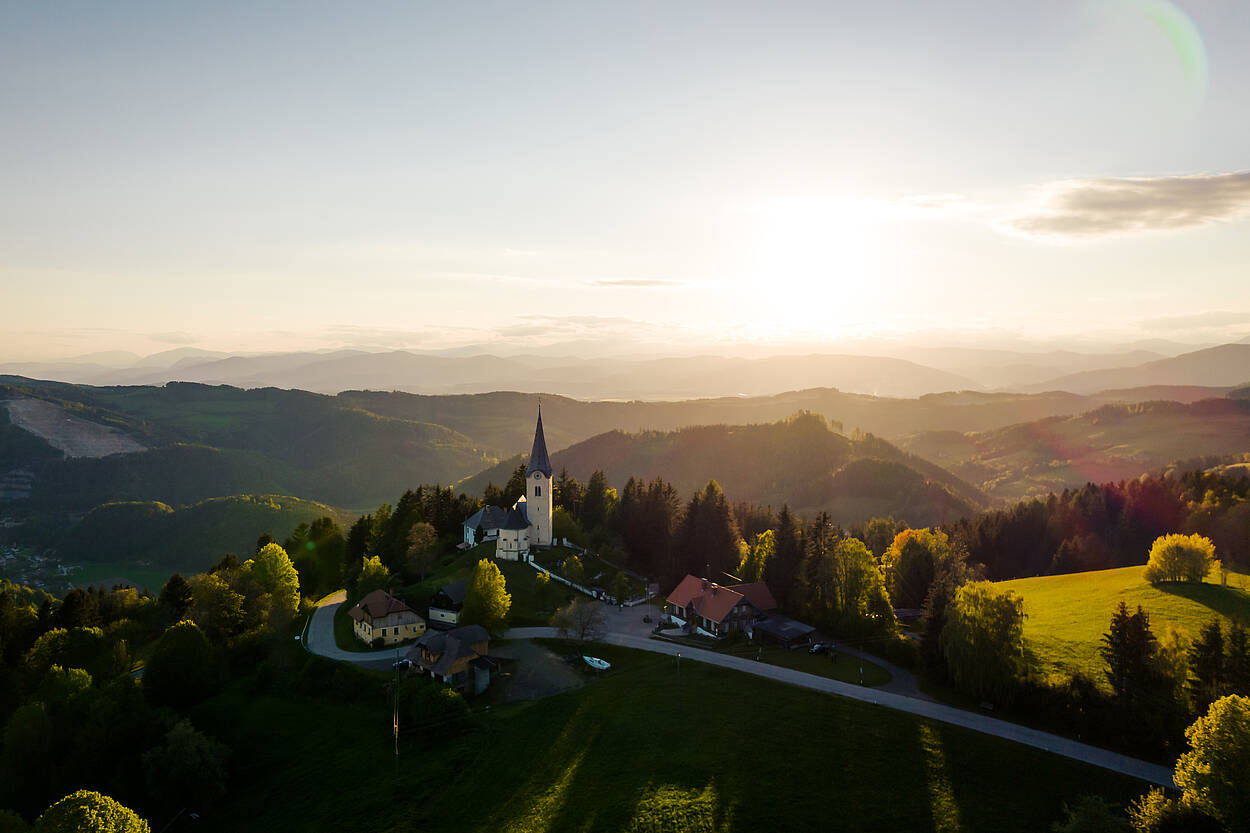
73	436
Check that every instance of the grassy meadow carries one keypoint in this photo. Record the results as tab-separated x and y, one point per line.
640	748
1067	615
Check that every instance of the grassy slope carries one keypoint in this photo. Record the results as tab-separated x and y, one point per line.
636	750
1067	615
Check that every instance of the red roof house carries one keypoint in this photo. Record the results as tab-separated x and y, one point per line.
699	604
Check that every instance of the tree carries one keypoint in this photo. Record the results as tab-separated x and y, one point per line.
216	607
89	812
983	641
1155	812
187	770
175	598
1214	775
619	587
1131	652
595	502
910	563
180	671
879	533
1206	666
574	570
422	539
755	565
1179	558
273	571
781	573
373	576
1091	814
486	599
581	618
1237	663
707	538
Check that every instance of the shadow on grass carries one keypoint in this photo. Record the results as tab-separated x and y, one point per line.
1229	602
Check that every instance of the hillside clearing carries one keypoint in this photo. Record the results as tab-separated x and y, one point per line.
1067	615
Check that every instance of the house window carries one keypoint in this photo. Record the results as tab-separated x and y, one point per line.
538	491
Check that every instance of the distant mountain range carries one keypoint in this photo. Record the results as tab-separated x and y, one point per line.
905	373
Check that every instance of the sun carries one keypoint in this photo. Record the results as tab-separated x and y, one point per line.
813	256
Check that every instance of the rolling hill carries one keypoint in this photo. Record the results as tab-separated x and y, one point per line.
1111	443
799	461
1067	615
1227	365
188	539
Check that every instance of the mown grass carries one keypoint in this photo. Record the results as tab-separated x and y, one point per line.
638	748
839	666
1068	614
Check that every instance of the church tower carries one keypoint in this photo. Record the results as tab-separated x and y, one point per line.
538	488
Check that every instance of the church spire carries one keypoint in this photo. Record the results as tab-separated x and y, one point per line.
539	461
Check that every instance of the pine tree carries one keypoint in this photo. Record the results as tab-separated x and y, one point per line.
1237	663
1206	667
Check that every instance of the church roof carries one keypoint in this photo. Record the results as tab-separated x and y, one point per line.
539	461
516	520
488	518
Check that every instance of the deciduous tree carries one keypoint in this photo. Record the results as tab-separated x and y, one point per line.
373	576
273	571
1179	558
983	641
181	670
582	619
1214	775
486	599
89	812
422	541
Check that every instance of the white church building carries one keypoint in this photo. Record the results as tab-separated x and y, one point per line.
528	523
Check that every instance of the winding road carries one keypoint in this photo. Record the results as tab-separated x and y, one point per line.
622	631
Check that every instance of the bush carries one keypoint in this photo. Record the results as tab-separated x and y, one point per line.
1179	558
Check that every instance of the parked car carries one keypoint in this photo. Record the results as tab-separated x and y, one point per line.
401	665
820	648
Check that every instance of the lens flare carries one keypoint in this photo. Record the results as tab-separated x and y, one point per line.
1182	33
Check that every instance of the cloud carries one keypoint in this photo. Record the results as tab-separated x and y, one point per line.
1091	208
640	283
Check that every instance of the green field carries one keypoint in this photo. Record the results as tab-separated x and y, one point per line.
638	749
843	667
1068	614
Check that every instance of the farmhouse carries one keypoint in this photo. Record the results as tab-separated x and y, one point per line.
379	615
528	522
447	603
705	607
456	658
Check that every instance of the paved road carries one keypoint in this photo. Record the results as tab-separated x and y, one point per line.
924	708
320	640
319	637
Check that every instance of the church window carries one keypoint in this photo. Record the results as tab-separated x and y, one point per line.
538	491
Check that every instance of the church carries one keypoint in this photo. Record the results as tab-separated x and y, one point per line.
528	523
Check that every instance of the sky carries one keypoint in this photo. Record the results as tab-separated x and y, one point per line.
274	176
